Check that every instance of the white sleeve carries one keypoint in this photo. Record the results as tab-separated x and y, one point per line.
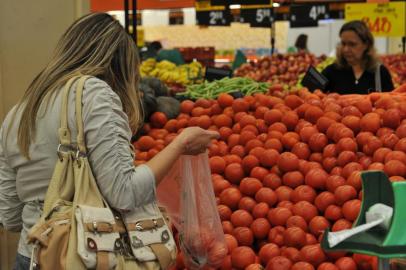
10	205
107	135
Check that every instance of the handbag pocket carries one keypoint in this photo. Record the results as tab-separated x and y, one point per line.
98	236
150	236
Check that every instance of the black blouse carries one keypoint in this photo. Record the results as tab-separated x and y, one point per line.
342	80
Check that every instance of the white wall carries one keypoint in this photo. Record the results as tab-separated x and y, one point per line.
321	39
189	16
155	17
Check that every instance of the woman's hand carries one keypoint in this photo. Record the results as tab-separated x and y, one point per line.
195	140
191	141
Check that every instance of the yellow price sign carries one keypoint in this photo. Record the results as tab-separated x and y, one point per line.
385	20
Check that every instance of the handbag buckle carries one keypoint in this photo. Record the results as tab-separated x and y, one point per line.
138	226
165	236
136	242
91	244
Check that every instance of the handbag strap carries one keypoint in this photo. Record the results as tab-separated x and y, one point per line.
79	119
378	83
64	132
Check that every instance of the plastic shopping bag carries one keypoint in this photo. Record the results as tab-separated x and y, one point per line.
188	196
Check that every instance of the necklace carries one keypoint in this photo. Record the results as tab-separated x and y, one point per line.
356	81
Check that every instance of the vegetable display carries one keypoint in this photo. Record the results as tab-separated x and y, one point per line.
279	68
287	166
211	90
396	63
170	73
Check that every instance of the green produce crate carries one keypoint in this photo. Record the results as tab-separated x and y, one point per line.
377	188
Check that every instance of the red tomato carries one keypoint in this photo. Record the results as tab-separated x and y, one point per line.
346	263
241	257
279	263
351	209
296	221
303	193
302	266
345	193
231	242
234	173
241	218
305	210
260	228
249	186
246	203
323	200
327	266
341	224
313	254
295	237
276	235
316	178
267	252
293	179
260	210
288	162
291	253
230	197
318	224
244	236
266	195
278	216
333	212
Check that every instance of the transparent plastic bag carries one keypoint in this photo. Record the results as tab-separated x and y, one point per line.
188	196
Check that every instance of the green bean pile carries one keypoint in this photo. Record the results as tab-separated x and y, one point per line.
211	90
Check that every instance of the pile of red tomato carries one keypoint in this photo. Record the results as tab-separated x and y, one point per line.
286	167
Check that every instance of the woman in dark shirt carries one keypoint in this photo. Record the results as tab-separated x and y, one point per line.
354	71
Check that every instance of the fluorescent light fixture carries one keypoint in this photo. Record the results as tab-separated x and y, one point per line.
235	6
276	4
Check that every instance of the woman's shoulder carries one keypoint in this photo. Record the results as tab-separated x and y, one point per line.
98	90
332	67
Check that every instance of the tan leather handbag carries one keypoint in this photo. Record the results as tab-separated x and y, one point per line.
78	229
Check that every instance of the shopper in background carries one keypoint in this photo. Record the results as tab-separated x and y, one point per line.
357	68
300	44
95	45
151	50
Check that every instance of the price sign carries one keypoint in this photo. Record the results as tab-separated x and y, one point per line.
307	15
239	2
209	15
213	17
257	17
384	20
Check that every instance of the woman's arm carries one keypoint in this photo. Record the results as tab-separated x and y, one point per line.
10	205
386	79
107	135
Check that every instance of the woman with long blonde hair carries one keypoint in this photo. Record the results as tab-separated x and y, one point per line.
95	45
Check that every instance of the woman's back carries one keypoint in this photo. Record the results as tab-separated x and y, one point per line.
23	182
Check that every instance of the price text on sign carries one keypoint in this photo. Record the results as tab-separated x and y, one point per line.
307	15
388	19
213	18
257	17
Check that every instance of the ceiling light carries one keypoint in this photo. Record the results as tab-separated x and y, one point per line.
235	6
276	5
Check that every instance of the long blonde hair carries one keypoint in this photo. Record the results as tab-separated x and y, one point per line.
95	45
370	59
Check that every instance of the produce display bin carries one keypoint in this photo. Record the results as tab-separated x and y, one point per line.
377	241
